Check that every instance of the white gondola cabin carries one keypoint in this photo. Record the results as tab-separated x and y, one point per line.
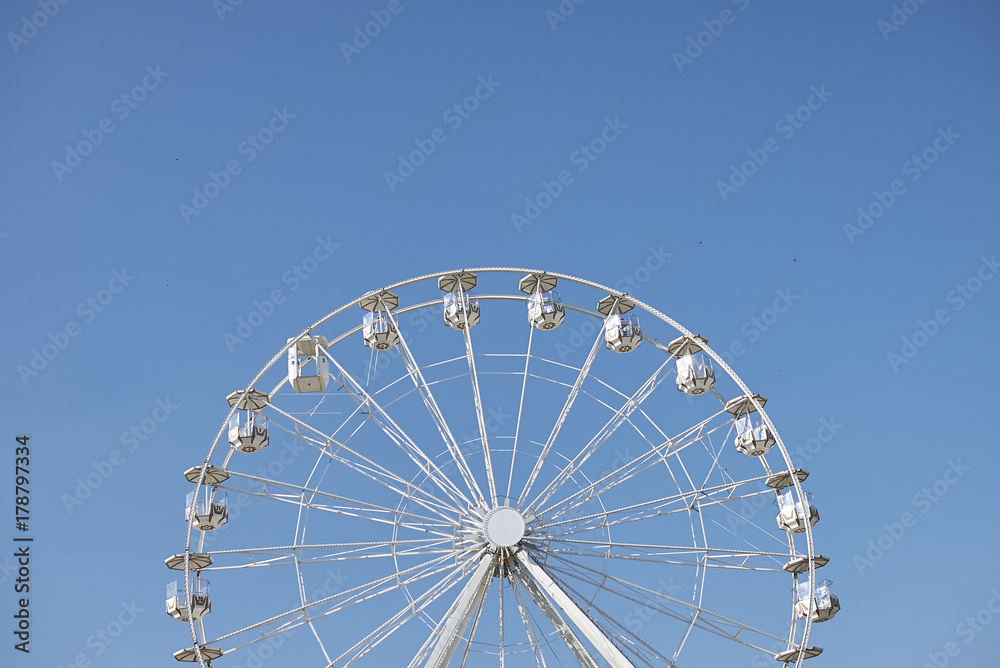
545	310
792	517
695	374
461	310
378	327
753	437
461	307
545	307
248	431
210	510
177	605
308	364
380	331
824	604
622	333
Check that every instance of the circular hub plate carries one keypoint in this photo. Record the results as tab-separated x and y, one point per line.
504	527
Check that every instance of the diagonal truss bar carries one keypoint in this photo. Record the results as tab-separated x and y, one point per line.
375	511
657	453
397	621
400	438
697	615
291	554
618	419
365	466
703	557
601	643
417	376
683	501
573	394
341	600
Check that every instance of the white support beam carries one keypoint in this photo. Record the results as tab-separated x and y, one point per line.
561	626
601	643
450	632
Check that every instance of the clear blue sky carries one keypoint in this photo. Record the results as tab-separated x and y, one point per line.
167	169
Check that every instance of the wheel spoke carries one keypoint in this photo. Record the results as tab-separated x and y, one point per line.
397	621
570	399
365	466
439	420
503	650
369	591
681	502
656	454
656	601
400	438
529	624
292	554
480	417
619	418
520	414
299	492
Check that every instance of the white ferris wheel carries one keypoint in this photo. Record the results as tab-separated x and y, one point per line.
472	469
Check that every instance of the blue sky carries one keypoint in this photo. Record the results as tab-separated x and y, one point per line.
814	184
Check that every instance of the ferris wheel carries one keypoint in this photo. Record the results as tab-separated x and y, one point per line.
498	467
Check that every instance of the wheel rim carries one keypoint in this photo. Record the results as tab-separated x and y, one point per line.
457	484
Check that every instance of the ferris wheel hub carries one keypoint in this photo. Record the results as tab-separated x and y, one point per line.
503	527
